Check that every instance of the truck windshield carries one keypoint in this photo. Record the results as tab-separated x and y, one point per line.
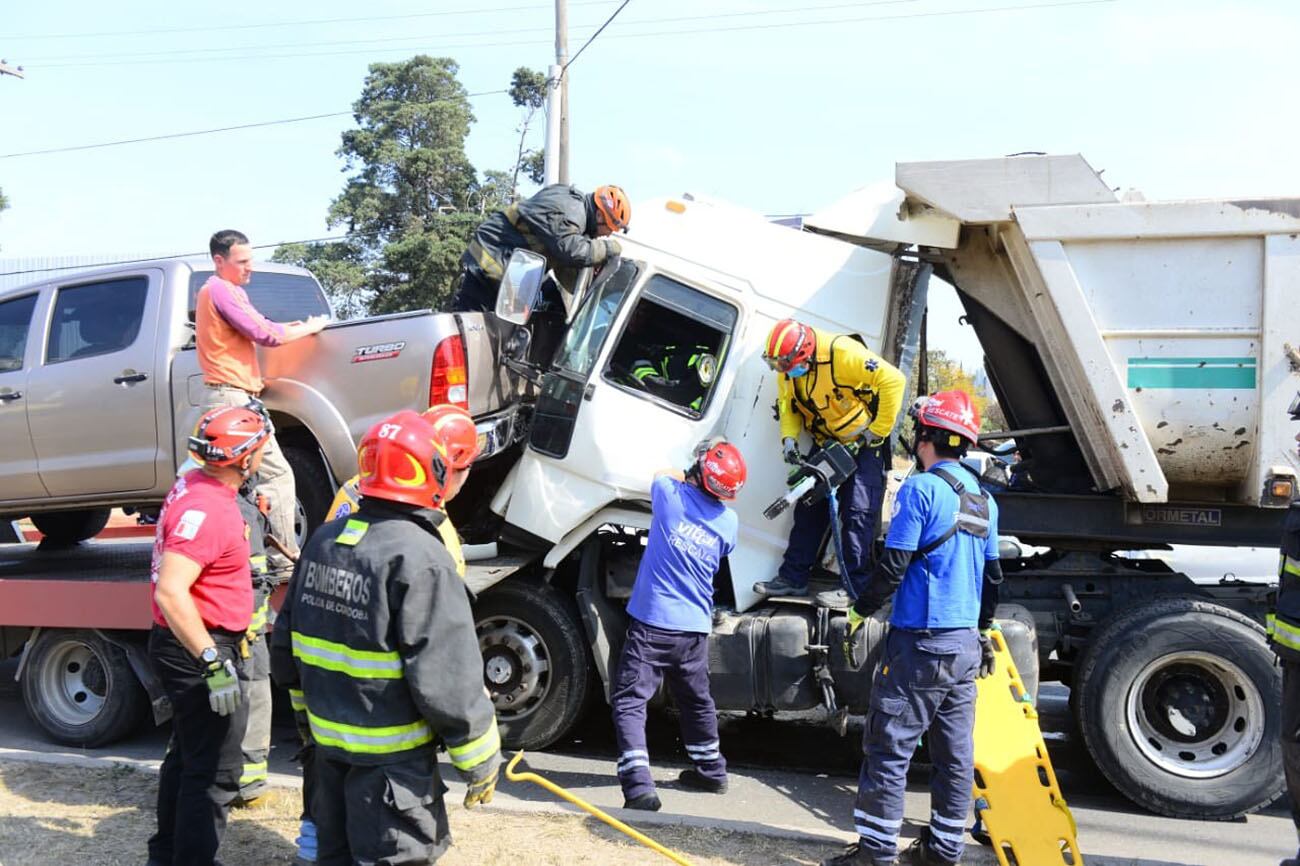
279	297
590	326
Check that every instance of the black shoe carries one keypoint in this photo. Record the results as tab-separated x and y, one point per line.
693	778
779	586
855	856
921	855
646	803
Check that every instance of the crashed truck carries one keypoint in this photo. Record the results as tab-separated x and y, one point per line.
1138	351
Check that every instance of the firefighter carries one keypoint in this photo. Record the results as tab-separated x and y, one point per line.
941	568
671	612
569	228
376	643
202	607
679	374
1284	635
256	745
839	390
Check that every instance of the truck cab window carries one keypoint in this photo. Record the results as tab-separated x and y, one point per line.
15	320
590	325
96	318
279	297
672	345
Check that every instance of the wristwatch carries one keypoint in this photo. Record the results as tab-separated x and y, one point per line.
209	656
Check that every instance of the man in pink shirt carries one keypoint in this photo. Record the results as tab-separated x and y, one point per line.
228	329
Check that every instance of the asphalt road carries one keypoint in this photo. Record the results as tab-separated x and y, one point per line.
790	774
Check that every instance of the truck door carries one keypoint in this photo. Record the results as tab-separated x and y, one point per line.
18	476
91	402
631	391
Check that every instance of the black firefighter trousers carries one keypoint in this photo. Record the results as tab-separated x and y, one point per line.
200	773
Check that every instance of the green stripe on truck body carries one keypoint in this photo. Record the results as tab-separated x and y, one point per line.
1197	373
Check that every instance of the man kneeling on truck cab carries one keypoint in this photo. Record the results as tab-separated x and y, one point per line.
376	644
202	607
941	568
671	610
841	391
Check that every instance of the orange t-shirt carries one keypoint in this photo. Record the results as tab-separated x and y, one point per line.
228	329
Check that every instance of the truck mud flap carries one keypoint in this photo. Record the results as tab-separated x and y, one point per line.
604	623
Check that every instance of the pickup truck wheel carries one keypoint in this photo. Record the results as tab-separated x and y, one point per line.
313	490
1179	703
535	662
62	528
80	688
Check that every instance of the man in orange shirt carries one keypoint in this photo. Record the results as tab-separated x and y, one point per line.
228	329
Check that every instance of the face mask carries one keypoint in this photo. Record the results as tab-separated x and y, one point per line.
796	372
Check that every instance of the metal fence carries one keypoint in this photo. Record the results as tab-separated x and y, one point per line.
20	271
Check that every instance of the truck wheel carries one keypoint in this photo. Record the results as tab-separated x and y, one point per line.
80	688
62	528
1179	703
313	490
535	662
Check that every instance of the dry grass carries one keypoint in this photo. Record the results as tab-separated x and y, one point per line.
66	815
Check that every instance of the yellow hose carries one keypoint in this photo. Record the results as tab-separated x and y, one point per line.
587	807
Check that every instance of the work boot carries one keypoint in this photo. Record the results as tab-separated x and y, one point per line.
921	854
779	586
1291	861
855	856
837	599
693	778
646	803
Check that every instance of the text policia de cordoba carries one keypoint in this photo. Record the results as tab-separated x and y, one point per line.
336	590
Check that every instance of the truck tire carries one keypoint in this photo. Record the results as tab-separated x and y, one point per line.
313	488
535	661
80	688
1179	703
64	528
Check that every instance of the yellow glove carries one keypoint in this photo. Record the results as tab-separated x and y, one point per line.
480	792
855	621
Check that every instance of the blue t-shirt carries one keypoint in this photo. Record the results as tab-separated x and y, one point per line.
690	532
941	589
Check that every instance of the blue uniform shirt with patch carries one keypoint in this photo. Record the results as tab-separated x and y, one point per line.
690	532
941	589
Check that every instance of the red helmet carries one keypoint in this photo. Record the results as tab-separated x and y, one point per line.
454	434
226	434
789	344
721	468
397	461
612	208
953	411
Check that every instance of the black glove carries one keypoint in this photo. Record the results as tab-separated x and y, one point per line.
988	661
790	450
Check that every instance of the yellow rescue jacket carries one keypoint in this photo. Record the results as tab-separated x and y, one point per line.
348	498
848	392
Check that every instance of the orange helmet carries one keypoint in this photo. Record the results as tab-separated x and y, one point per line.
454	434
613	209
789	344
228	433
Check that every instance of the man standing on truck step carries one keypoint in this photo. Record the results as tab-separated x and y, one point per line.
228	328
375	642
839	390
941	568
202	607
567	227
671	612
1284	635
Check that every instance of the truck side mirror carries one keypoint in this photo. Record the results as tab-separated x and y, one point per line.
521	287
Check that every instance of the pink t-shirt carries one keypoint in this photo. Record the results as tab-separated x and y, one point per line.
200	520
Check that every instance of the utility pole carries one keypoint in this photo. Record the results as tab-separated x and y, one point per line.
556	156
6	69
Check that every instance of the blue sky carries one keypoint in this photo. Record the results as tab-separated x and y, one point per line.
807	102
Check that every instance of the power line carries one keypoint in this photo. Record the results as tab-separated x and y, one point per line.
211	131
593	36
298	23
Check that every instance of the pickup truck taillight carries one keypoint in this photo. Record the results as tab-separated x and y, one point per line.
449	382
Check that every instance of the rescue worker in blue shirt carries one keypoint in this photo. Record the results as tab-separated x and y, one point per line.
1284	637
940	565
671	613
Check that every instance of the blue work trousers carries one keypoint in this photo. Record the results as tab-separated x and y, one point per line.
860	497
925	682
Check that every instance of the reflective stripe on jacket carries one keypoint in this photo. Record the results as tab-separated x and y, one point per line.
849	391
1284	622
376	643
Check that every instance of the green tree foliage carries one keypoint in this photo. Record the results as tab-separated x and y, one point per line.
404	204
528	92
946	374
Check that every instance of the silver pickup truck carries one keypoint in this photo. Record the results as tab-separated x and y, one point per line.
100	385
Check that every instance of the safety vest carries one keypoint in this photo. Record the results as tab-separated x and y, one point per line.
846	388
